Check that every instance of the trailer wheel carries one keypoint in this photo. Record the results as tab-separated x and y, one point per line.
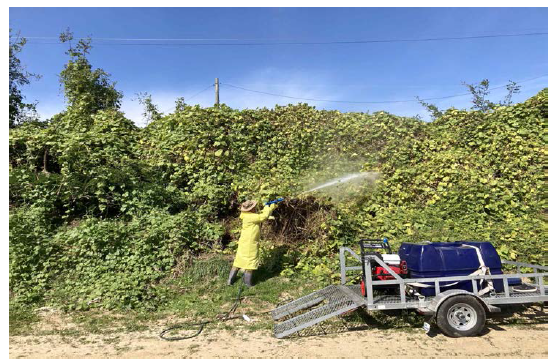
461	316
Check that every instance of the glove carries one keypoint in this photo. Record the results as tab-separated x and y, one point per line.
274	201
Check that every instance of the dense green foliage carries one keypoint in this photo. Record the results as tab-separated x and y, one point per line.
86	90
221	156
102	211
112	263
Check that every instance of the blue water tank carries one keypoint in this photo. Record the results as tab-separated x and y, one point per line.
446	259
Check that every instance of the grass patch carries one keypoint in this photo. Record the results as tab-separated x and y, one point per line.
101	322
200	293
22	319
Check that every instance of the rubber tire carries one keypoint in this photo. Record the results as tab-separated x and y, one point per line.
449	330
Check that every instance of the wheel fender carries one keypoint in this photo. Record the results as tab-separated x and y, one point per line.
443	296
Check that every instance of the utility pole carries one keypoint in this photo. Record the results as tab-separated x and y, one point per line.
216	92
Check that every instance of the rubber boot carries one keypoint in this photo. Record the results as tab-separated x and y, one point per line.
232	276
248	278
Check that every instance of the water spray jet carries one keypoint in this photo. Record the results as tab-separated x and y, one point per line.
341	180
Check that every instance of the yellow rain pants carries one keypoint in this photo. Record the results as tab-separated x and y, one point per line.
247	255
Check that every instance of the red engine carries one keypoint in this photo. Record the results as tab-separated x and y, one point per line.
380	273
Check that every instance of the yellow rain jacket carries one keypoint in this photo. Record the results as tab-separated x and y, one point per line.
247	255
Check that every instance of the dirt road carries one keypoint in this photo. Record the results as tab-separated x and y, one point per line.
507	341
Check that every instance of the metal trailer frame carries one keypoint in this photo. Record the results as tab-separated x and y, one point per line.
429	305
336	300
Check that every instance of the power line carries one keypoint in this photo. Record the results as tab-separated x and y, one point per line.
191	97
294	42
188	99
217	39
138	39
371	102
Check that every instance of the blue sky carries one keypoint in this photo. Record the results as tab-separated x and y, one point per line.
355	72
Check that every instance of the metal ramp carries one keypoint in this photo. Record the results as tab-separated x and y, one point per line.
335	300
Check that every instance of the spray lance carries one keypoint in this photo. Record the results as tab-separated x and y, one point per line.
278	200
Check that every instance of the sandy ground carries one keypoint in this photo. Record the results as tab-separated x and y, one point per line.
501	339
502	342
508	342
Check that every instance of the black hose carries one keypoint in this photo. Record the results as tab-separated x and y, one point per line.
201	325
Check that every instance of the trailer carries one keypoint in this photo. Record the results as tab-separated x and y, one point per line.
457	312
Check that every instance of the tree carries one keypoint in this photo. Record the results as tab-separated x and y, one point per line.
86	90
512	89
433	110
180	104
481	90
150	110
480	102
19	110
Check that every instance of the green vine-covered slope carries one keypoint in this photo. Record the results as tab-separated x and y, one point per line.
101	212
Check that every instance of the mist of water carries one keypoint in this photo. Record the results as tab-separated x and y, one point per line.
348	178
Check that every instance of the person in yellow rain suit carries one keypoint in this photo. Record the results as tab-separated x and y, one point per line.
247	255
